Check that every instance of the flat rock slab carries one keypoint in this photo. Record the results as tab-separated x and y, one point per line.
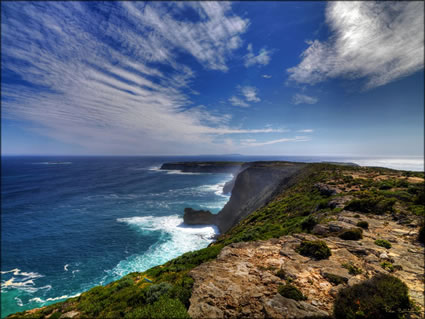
242	281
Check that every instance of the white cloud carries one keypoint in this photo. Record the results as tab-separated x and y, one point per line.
250	93
127	100
305	131
303	99
252	143
234	100
266	76
262	58
377	41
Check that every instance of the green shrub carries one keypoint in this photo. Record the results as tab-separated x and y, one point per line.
56	315
372	204
164	308
363	224
154	292
335	279
352	269
383	243
291	292
316	249
382	297
351	234
421	235
388	266
281	274
309	223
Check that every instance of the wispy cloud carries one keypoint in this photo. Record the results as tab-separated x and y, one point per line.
377	41
253	142
306	131
262	58
303	99
266	76
250	93
234	100
117	85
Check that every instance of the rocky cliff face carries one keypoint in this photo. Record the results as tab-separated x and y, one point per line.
198	217
242	282
203	167
254	186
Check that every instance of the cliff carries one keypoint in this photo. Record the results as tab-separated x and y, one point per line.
321	237
203	167
254	186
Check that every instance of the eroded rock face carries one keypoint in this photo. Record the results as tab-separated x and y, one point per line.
255	185
242	281
198	217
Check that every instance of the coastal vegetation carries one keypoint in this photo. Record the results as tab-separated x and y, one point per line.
164	291
381	297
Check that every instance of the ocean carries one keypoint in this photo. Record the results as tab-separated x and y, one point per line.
71	223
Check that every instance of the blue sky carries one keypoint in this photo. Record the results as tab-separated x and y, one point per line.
157	78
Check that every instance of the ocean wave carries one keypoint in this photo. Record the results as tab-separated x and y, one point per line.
39	300
177	239
179	172
20	280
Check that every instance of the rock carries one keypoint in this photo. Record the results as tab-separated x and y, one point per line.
69	314
383	256
339	202
281	307
241	282
256	184
320	229
198	217
324	189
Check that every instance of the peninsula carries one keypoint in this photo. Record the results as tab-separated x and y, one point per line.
298	240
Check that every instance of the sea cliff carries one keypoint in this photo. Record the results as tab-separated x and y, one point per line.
298	240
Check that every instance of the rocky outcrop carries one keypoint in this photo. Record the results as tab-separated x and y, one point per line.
255	185
203	167
242	282
198	217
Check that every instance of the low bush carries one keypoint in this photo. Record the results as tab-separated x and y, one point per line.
363	224
352	269
291	292
382	297
372	204
335	279
388	266
316	249
351	234
309	223
154	292
164	308
383	243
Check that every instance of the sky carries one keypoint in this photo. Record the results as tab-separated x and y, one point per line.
188	78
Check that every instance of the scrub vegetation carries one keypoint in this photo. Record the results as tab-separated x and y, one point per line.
164	291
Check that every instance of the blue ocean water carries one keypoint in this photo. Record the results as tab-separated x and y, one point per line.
71	223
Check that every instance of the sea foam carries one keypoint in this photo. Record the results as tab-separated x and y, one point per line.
176	239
